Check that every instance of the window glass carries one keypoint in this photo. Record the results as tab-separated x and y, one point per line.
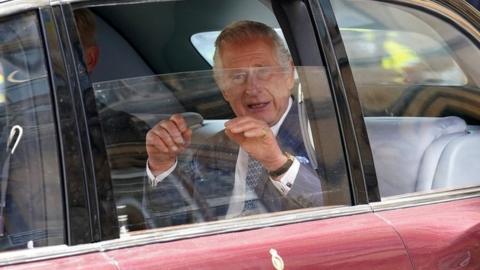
418	85
32	214
203	175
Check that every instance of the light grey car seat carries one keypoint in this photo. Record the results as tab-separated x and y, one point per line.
423	153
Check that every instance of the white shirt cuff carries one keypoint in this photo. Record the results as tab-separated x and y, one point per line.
287	180
154	180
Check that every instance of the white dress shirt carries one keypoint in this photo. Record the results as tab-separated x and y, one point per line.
237	200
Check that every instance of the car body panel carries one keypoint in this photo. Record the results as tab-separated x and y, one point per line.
447	241
361	241
97	261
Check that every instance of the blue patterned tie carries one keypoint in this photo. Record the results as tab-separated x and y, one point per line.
254	174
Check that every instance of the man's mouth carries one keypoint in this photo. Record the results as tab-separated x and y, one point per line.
258	106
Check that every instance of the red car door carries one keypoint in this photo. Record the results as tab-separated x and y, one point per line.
422	123
359	241
440	236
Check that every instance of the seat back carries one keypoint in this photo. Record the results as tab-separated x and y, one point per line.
399	145
459	164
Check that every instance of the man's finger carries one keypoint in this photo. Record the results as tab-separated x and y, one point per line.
155	144
172	129
245	126
166	138
241	119
187	136
159	145
257	133
180	122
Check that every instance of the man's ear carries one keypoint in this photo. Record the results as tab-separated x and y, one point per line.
91	57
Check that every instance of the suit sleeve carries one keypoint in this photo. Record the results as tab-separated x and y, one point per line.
166	203
306	190
174	200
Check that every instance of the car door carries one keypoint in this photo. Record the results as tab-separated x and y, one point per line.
44	203
114	107
412	64
251	242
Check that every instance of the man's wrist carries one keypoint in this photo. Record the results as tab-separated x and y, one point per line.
159	167
283	168
275	163
157	177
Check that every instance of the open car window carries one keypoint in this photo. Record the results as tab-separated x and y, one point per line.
140	80
201	187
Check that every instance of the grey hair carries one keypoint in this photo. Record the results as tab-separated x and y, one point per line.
247	30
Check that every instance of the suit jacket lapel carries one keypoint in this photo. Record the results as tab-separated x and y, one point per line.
289	135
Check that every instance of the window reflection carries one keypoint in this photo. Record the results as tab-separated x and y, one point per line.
31	196
418	88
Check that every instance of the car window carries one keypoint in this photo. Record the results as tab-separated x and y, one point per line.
211	178
418	85
31	203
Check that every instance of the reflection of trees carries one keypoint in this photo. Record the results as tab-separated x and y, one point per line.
421	100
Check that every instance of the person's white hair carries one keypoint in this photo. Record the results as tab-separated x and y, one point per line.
248	30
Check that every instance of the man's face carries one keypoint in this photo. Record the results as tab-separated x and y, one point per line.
252	80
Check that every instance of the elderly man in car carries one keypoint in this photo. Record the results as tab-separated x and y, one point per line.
258	163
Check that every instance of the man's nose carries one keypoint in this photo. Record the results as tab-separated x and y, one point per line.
252	84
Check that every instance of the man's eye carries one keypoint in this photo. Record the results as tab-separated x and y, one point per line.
264	73
239	77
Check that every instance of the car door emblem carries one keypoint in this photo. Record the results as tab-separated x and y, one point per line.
276	260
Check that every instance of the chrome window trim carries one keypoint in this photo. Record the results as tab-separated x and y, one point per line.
160	235
15	6
424	198
94	3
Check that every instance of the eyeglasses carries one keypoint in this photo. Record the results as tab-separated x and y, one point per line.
240	76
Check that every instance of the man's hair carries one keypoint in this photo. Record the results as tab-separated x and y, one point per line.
248	30
85	20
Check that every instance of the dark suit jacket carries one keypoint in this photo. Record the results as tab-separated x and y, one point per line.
201	187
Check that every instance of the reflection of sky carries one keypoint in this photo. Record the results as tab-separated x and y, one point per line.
204	42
